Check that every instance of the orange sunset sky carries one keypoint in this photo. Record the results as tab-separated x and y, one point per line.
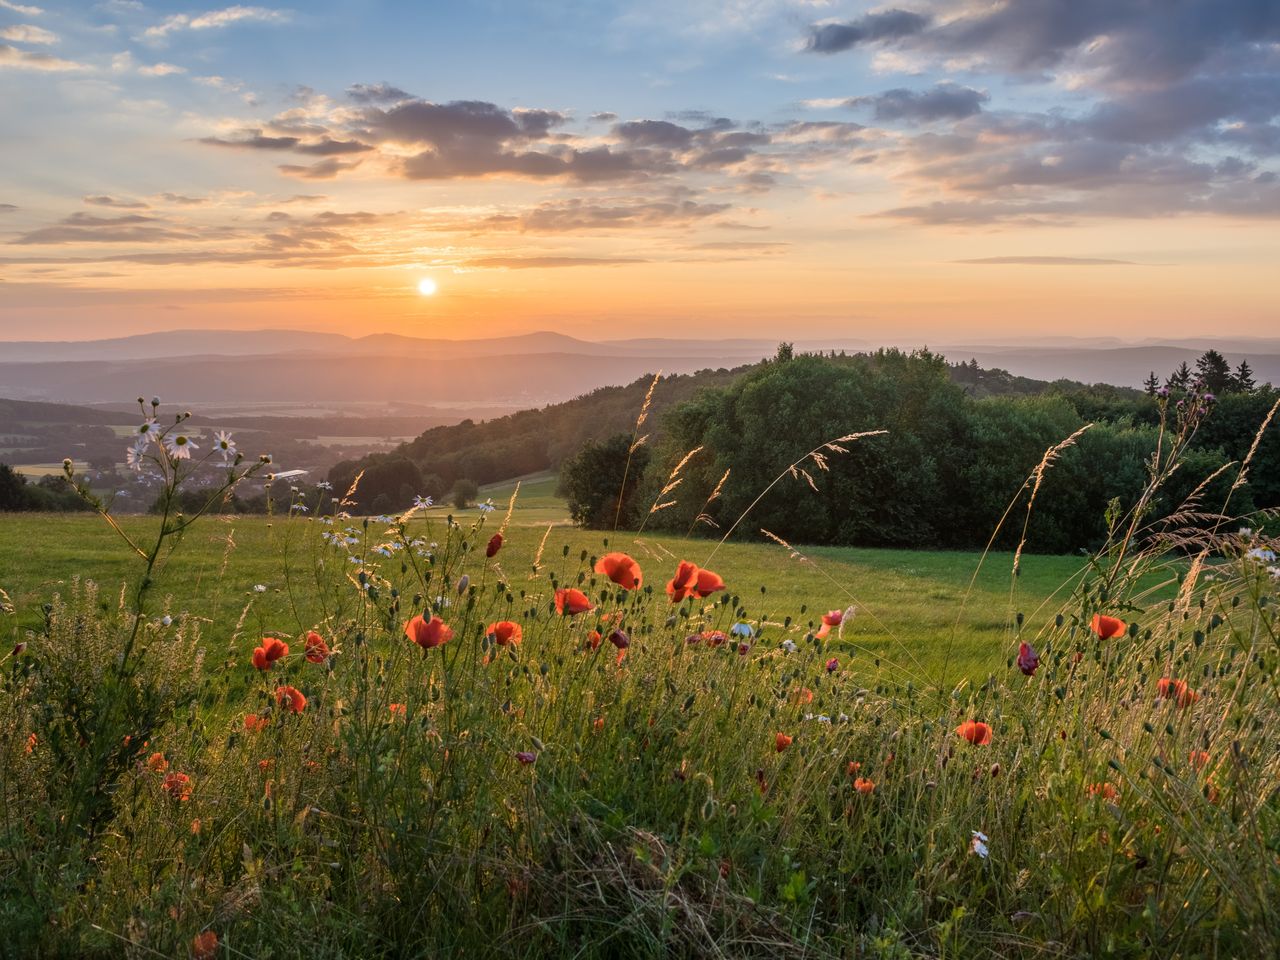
612	170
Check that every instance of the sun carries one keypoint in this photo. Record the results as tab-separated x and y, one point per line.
427	287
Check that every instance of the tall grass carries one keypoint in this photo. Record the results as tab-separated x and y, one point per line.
638	779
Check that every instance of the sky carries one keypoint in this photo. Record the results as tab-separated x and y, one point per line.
936	169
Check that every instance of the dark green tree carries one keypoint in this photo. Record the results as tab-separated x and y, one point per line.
1214	371
1242	380
1180	379
464	493
1151	384
13	493
592	482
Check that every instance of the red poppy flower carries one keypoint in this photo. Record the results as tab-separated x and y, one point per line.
621	569
684	583
265	765
1028	659
428	633
317	650
156	763
1107	627
495	544
803	695
1106	791
571	601
265	656
291	699
975	731
708	583
863	785
593	640
177	785
397	709
1199	758
505	633
254	723
1165	686
714	638
781	741
204	946
832	618
1186	696
853	767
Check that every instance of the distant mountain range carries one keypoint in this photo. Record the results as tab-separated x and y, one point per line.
286	366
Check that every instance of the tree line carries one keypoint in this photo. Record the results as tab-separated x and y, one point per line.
946	469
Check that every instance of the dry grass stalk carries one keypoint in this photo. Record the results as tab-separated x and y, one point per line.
791	551
511	506
1037	479
537	557
1242	479
346	500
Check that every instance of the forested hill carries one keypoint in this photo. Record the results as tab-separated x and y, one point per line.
536	440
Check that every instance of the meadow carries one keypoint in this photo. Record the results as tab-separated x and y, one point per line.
471	735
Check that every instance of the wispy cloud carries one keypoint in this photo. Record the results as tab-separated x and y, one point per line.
26	33
22	8
15	59
214	20
1053	261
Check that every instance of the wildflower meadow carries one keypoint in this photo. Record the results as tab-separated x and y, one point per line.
467	737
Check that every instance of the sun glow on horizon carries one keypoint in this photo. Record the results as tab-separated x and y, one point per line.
427	287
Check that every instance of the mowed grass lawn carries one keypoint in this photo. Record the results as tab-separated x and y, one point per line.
916	611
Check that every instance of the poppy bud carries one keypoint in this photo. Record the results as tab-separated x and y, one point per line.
619	639
464	581
495	544
526	758
1028	659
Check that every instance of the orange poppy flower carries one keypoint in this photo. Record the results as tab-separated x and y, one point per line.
495	544
156	763
177	785
428	633
975	731
684	583
291	699
803	695
505	633
1105	790
863	785
1171	689
317	650
621	569
571	601
598	723
32	740
1186	696
853	767
1107	627
832	618
714	638
265	765
593	640
204	946
781	741
1199	758
708	583
397	709
254	723
271	650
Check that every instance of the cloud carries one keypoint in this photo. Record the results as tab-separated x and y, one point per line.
525	263
105	201
254	140
180	200
888	25
16	59
562	216
25	33
214	20
85	228
603	116
161	70
1052	261
8	207
376	93
22	8
945	101
321	170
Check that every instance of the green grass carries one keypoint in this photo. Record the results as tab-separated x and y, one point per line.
912	606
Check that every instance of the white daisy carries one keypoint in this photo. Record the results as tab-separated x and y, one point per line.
422	502
226	446
145	431
179	446
134	456
789	646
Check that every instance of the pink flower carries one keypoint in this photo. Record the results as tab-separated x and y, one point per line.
1028	659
